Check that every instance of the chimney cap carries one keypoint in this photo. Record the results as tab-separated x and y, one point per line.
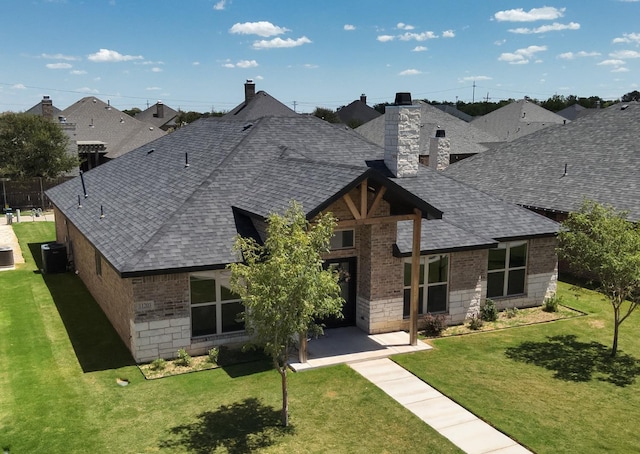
249	81
440	133
403	99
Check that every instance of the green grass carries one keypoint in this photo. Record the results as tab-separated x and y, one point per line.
60	360
553	386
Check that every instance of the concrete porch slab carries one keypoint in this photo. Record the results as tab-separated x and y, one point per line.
350	345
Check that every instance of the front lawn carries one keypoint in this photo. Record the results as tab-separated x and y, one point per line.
59	390
552	386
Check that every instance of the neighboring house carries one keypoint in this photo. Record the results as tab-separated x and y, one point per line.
552	171
257	105
104	132
451	110
437	128
516	120
159	115
357	113
154	236
575	111
45	108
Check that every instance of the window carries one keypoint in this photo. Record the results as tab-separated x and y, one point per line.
342	239
215	309
507	269
434	270
98	260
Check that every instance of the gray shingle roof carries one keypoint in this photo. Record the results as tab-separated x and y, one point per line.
464	138
601	152
261	105
516	120
162	216
98	121
357	111
159	115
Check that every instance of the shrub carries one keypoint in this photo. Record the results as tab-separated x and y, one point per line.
434	324
489	312
511	312
184	359
475	323
551	304
158	364
213	355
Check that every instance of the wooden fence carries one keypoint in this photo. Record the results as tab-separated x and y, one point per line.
28	193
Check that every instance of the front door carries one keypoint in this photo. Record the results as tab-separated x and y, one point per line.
347	269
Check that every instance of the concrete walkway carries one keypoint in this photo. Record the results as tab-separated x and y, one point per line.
8	237
460	426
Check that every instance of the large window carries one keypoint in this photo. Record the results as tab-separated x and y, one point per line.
507	271
215	309
342	239
434	275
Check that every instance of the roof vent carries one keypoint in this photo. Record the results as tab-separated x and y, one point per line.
403	99
624	107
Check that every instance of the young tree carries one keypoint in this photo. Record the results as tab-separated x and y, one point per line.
32	146
601	243
284	286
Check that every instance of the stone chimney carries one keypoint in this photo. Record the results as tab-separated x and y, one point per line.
47	107
402	137
439	151
249	90
363	98
159	109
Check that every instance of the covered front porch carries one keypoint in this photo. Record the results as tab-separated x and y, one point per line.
351	344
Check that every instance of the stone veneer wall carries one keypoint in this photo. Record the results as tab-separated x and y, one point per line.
112	293
467	284
402	139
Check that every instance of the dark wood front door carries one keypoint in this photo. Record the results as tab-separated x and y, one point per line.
347	269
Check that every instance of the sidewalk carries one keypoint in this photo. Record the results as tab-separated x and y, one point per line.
8	237
460	426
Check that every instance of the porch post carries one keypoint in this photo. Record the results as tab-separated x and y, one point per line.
415	278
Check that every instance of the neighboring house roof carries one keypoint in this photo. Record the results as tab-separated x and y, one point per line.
96	120
516	120
358	111
601	153
455	112
464	138
259	105
575	111
161	215
39	110
159	115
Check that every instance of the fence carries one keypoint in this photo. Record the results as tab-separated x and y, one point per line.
28	193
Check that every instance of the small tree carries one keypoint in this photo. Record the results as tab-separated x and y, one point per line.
32	146
601	243
284	287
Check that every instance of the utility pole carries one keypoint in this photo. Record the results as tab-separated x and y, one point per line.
473	98
295	104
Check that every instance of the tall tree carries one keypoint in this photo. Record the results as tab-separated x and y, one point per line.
32	146
326	114
284	286
601	243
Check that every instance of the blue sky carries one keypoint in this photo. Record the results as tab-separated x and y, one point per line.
197	54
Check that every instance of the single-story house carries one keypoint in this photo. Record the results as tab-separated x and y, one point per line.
151	232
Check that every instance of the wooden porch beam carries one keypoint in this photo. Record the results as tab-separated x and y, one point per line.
363	199
371	221
415	278
352	206
378	199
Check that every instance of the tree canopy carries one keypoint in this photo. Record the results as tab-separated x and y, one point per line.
599	242
32	146
326	114
284	286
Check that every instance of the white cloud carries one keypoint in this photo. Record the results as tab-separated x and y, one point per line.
403	26
106	55
500	42
620	69
77	72
155	69
220	5
310	66
581	54
349	27
59	57
628	38
261	28
149	62
611	63
228	65
58	65
153	88
625	54
247	64
196	63
258	78
555	27
281	43
385	38
448	34
417	36
409	72
18	87
419	49
521	56
474	78
88	90
535	14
